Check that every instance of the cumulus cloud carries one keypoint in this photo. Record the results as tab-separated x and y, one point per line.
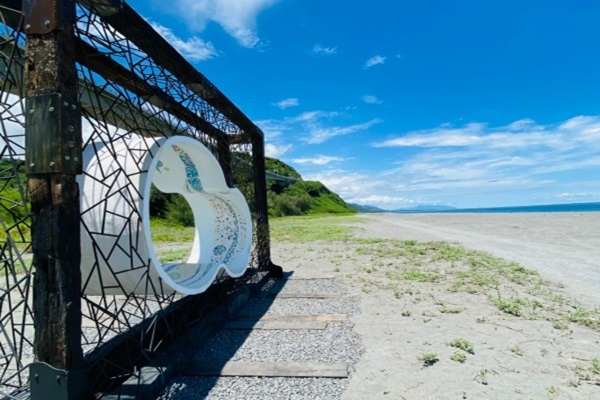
375	60
286	103
369	99
237	18
193	49
326	51
276	151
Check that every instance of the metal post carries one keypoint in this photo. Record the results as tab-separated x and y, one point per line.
263	245
53	159
224	156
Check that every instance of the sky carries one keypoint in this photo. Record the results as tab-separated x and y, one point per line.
396	103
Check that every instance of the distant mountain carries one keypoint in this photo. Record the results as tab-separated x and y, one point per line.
366	208
426	207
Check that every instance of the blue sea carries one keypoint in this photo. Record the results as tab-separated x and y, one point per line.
573	207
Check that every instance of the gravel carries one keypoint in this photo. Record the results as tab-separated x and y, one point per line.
337	343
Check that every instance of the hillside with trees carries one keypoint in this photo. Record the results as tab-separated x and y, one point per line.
301	197
283	198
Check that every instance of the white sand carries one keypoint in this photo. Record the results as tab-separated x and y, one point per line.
514	357
563	247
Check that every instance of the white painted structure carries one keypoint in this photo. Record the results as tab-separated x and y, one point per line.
115	205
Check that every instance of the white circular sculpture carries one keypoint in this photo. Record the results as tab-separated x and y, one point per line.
118	255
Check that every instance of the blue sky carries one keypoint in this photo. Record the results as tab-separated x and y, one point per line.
399	103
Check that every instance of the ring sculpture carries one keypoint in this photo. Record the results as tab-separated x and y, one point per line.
118	255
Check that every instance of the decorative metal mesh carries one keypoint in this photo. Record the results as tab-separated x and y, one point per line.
16	319
124	93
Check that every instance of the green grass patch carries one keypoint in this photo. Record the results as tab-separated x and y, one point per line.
419	276
165	231
173	256
312	229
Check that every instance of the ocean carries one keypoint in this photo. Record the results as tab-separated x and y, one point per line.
573	207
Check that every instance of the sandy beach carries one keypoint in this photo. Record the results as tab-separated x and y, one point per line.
434	326
564	247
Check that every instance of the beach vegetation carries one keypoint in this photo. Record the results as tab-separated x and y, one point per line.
458	357
419	276
428	358
405	267
462	344
517	351
481	376
510	306
560	325
451	310
447	252
585	317
552	392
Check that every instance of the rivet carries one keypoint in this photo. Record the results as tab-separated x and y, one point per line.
70	128
31	111
52	163
28	26
47	22
73	106
67	158
66	104
71	143
32	165
75	158
51	109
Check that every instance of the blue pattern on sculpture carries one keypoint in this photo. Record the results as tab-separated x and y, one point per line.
230	228
191	173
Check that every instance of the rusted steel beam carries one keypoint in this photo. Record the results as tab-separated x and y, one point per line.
51	124
102	64
129	23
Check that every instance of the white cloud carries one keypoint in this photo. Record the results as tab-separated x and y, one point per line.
363	188
376	60
311	116
473	165
276	151
236	17
193	49
575	196
318	160
522	160
525	134
286	103
369	99
383	201
327	51
320	134
314	127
